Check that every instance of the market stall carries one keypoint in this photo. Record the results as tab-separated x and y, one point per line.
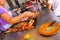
42	26
33	32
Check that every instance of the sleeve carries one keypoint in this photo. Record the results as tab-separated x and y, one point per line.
50	1
2	10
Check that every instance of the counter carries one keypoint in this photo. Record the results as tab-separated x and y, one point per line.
44	16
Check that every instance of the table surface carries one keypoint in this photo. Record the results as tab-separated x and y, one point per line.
44	16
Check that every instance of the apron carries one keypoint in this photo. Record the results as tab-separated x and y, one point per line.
56	10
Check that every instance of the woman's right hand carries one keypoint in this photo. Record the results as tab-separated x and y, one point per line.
26	15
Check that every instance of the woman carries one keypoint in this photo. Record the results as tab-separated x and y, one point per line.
6	19
55	5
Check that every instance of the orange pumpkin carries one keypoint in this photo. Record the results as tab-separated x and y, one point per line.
45	30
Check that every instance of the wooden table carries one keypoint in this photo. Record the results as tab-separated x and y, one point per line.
43	17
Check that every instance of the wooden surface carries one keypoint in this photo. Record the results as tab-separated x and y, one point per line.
43	17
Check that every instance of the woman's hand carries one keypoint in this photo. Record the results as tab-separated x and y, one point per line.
26	15
36	13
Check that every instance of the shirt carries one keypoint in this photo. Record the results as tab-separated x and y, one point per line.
3	24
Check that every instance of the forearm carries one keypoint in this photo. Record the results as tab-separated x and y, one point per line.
16	19
14	10
49	6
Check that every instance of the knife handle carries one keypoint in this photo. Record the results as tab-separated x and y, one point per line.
52	23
